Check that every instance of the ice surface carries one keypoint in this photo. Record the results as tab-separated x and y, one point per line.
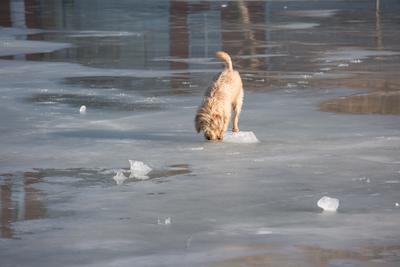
139	170
120	177
236	200
328	203
240	137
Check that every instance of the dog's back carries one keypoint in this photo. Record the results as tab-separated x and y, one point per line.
228	82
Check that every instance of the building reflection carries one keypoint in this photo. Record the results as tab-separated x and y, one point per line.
19	201
179	31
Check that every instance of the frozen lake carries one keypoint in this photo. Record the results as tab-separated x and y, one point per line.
322	96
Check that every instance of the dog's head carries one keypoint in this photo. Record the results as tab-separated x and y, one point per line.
212	125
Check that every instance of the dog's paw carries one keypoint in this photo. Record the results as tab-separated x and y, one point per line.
235	130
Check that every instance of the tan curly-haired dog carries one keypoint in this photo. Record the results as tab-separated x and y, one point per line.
221	98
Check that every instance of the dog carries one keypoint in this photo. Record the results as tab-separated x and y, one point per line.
221	98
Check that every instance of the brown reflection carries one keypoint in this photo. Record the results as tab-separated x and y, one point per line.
19	201
373	103
5	14
312	256
378	31
179	39
239	33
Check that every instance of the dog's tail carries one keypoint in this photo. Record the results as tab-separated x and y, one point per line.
226	58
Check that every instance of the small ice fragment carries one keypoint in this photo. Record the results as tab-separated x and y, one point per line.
189	241
240	137
356	61
263	231
325	69
167	221
224	5
290	85
82	110
120	177
342	65
196	148
397	204
285	7
328	204
139	170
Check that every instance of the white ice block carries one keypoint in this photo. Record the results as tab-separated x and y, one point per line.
82	110
328	204
139	170
240	137
120	177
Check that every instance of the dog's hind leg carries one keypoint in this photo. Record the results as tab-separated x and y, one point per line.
237	108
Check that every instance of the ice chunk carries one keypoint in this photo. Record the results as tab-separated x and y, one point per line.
263	231
240	137
328	204
397	204
82	110
139	170
166	221
120	177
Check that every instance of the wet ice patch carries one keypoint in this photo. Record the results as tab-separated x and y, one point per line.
328	203
354	55
10	47
296	26
240	137
139	170
313	13
96	34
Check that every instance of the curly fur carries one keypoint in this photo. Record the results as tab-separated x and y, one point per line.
221	98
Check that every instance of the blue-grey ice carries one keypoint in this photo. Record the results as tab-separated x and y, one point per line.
141	68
